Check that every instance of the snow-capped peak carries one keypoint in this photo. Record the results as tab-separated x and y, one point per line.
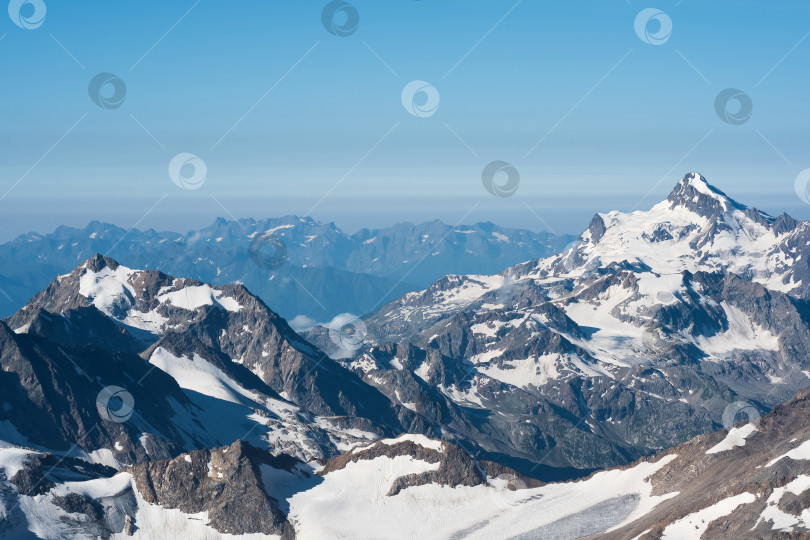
694	193
696	227
144	299
112	287
697	181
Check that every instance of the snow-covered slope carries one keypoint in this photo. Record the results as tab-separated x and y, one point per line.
750	481
502	505
406	487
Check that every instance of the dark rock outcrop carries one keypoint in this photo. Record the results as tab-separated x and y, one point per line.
225	482
74	503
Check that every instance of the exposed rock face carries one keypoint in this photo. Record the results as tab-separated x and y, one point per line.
427	398
232	354
698	196
761	462
784	224
226	483
49	393
75	503
596	228
80	327
31	479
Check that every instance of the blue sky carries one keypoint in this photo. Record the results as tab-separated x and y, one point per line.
323	128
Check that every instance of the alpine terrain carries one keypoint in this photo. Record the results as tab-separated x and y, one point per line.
638	337
647	382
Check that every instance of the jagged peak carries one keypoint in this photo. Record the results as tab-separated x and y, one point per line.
784	224
696	194
96	225
698	182
98	262
596	228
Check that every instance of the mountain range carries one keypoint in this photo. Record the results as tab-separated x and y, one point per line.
299	266
644	383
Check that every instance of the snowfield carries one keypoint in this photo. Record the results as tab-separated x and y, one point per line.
353	503
193	297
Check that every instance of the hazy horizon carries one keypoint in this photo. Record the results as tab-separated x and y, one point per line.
560	214
289	118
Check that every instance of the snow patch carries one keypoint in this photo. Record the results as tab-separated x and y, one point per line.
801	452
421	440
696	523
735	437
193	297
